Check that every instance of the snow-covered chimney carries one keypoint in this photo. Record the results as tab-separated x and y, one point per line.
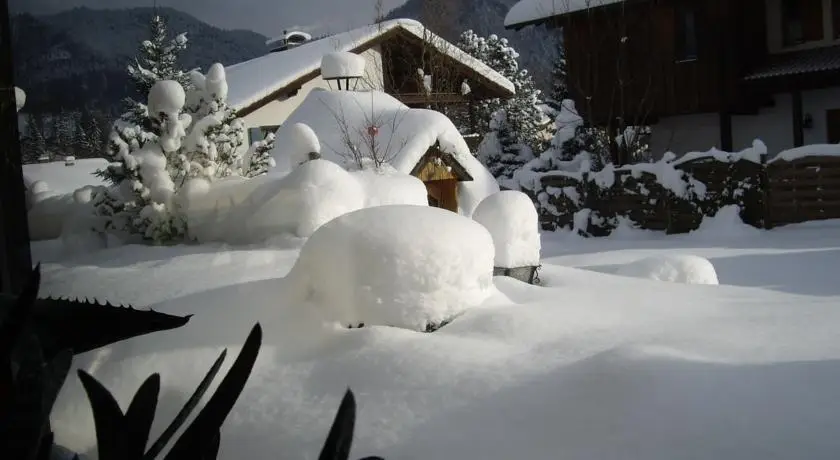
342	67
287	41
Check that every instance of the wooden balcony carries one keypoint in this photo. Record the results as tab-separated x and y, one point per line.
432	98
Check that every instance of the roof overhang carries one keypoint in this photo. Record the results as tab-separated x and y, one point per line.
549	12
797	70
458	169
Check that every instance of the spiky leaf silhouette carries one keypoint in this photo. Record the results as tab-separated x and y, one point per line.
209	421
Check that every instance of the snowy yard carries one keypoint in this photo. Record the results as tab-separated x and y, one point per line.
589	366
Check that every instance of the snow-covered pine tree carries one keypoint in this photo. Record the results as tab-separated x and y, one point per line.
258	159
213	147
518	126
89	139
559	78
157	60
64	133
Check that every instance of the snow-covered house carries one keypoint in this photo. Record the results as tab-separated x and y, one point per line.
403	58
356	128
703	72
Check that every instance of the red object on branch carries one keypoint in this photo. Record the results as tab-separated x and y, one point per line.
373	131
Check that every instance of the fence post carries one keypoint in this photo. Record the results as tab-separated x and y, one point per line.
764	187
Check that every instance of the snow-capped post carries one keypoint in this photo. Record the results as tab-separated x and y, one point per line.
20	99
302	144
512	220
343	66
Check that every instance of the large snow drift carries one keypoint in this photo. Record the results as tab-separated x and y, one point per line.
403	136
512	220
239	211
62	179
674	268
403	266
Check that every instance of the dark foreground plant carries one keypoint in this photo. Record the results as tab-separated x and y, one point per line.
38	338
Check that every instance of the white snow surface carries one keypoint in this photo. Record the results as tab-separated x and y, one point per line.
533	10
401	266
673	268
254	80
61	179
752	153
512	220
404	136
616	367
241	211
342	64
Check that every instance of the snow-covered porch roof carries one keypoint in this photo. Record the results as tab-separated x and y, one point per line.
536	12
254	83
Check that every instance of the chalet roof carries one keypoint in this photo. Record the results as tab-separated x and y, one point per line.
799	63
252	82
530	12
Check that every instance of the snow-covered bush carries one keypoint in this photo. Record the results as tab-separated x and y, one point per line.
511	219
516	127
415	267
687	269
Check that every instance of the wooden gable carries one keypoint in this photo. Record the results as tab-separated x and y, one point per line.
436	165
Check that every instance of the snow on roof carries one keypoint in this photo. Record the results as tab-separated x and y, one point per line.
303	36
64	179
404	134
254	80
528	11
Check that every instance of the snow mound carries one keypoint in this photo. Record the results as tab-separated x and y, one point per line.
387	186
342	64
686	269
243	211
168	97
402	266
299	143
512	220
813	150
726	223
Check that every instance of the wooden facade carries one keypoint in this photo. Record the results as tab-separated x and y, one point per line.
633	61
441	174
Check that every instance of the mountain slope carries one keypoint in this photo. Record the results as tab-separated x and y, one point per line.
536	45
78	57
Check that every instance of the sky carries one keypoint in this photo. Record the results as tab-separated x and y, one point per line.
268	17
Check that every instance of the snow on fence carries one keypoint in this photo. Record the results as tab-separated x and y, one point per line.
796	186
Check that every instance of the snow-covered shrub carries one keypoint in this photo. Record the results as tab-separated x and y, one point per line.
406	266
687	269
515	127
511	219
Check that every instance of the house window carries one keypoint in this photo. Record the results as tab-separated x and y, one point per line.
802	21
259	133
686	33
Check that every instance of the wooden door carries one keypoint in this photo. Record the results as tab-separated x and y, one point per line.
832	123
443	194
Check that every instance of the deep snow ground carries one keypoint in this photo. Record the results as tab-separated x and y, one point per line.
590	366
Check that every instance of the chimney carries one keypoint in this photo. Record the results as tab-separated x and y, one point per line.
287	40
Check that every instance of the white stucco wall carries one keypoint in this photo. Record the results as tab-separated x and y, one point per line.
773	125
276	112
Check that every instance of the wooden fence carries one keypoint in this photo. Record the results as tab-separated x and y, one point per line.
770	194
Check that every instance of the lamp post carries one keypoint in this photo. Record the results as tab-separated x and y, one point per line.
15	256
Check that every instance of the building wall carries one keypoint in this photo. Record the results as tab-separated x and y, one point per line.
774	29
773	125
